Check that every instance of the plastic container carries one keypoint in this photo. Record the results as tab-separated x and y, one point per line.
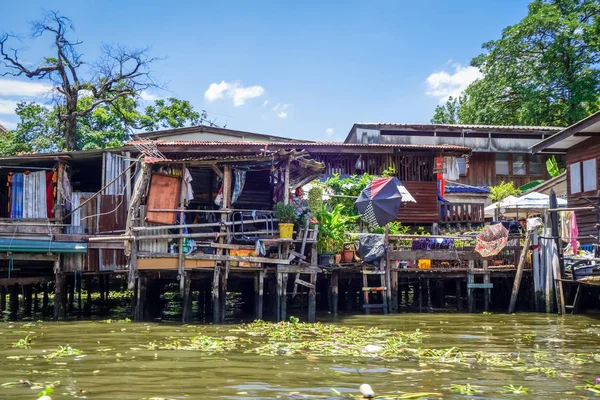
286	231
424	264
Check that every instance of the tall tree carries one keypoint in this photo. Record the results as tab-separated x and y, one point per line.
543	71
117	74
448	112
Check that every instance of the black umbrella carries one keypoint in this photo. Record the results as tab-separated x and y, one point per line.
380	201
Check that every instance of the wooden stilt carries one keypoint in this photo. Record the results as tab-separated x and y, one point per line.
519	274
259	282
441	293
59	296
216	302
36	300
284	282
429	307
107	288
312	298
140	304
79	303
487	291
71	294
459	307
2	298
350	300
470	293
420	296
101	288
45	298
88	301
27	294
14	301
187	298
223	294
394	305
334	292
278	291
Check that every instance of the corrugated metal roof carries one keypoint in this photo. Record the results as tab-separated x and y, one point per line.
213	129
462	126
467	189
308	145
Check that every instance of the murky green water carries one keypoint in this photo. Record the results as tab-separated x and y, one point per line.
549	355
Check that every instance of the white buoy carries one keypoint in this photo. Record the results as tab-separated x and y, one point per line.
367	391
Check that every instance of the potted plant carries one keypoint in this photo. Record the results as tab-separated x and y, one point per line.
287	216
348	252
332	228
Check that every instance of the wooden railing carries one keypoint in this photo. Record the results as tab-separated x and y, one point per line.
461	212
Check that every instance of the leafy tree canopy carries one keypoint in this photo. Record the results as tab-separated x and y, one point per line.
544	70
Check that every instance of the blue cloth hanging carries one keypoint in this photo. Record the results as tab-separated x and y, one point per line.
16	201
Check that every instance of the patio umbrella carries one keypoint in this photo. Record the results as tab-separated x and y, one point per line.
379	202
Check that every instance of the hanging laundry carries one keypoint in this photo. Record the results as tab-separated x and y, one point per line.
566	220
34	195
452	171
49	194
187	192
219	198
574	234
16	200
65	186
240	180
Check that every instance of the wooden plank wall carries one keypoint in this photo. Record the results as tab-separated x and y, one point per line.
586	220
425	210
482	172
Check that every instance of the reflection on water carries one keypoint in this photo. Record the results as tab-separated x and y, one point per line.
550	356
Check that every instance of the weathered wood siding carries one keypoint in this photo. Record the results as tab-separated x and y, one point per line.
482	172
425	210
586	220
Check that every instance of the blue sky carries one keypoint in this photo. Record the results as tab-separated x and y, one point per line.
306	69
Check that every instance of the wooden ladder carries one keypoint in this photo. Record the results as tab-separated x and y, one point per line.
472	285
368	290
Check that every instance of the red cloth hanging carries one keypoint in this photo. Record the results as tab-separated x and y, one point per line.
50	195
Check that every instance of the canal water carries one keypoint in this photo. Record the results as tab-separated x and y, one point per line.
451	355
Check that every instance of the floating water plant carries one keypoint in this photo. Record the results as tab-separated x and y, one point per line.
64	351
24	343
468	389
511	389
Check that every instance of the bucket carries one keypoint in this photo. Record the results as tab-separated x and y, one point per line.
324	259
286	231
424	264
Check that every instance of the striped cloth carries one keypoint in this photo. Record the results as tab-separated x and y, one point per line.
240	180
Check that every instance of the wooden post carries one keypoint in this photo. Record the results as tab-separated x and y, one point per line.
388	268
394	305
312	298
429	307
36	300
334	287
79	304
45	299
458	296
59	296
140	304
278	291
133	215
536	272
286	182
420	296
350	300
58	206
27	293
284	281
14	301
486	291
2	298
259	285
71	293
519	274
88	301
107	287
470	292
187	299
181	256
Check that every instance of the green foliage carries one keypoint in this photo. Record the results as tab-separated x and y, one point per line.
448	112
285	213
64	351
552	167
48	390
389	172
544	70
24	343
108	126
502	191
468	389
315	198
333	226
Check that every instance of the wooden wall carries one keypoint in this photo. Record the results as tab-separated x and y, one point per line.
425	210
586	220
482	172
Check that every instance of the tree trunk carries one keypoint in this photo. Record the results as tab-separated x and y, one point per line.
70	133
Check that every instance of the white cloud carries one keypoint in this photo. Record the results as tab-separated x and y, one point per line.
234	90
147	96
265	103
444	84
8	125
329	132
7	106
282	115
11	87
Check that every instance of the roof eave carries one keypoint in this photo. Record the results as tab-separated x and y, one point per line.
566	133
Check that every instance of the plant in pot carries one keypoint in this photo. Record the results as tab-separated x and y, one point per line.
348	252
287	216
332	229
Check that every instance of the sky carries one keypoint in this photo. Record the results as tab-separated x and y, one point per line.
303	69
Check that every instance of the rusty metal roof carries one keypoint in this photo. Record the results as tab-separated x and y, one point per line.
383	125
308	145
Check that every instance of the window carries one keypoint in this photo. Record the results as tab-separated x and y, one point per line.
583	176
589	175
575	171
461	166
519	165
502	164
536	165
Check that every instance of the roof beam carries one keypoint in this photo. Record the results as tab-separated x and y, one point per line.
566	133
